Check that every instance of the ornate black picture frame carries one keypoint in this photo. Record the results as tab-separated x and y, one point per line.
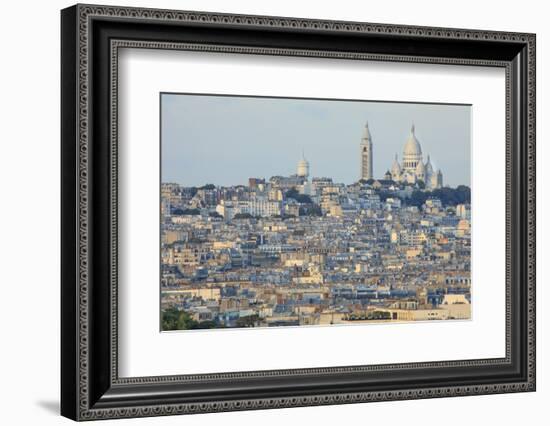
91	36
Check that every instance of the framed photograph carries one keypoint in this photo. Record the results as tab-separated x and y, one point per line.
263	212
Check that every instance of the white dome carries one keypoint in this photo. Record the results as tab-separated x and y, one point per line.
412	146
420	169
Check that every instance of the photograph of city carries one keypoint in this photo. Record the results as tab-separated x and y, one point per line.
312	212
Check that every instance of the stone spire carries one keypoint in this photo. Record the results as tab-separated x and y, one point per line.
366	154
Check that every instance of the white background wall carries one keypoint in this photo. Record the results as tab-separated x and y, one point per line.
29	225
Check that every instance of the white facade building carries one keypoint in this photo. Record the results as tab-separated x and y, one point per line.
411	169
261	207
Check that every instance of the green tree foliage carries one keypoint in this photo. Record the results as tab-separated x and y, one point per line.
205	325
243	216
366	181
208	186
448	196
174	319
384	195
417	198
301	198
453	196
373	315
249	321
379	315
183	212
311	210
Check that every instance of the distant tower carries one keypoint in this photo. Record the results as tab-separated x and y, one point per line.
366	154
303	167
436	180
412	169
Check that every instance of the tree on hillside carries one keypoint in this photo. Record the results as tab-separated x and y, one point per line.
301	198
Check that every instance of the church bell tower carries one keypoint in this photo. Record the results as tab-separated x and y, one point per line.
366	154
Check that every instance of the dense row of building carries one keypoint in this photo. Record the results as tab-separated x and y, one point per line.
291	250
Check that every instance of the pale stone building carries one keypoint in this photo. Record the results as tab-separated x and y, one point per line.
366	154
412	167
302	169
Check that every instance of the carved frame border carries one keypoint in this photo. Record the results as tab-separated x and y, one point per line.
87	12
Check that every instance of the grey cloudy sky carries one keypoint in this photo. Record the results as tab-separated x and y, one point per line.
224	140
